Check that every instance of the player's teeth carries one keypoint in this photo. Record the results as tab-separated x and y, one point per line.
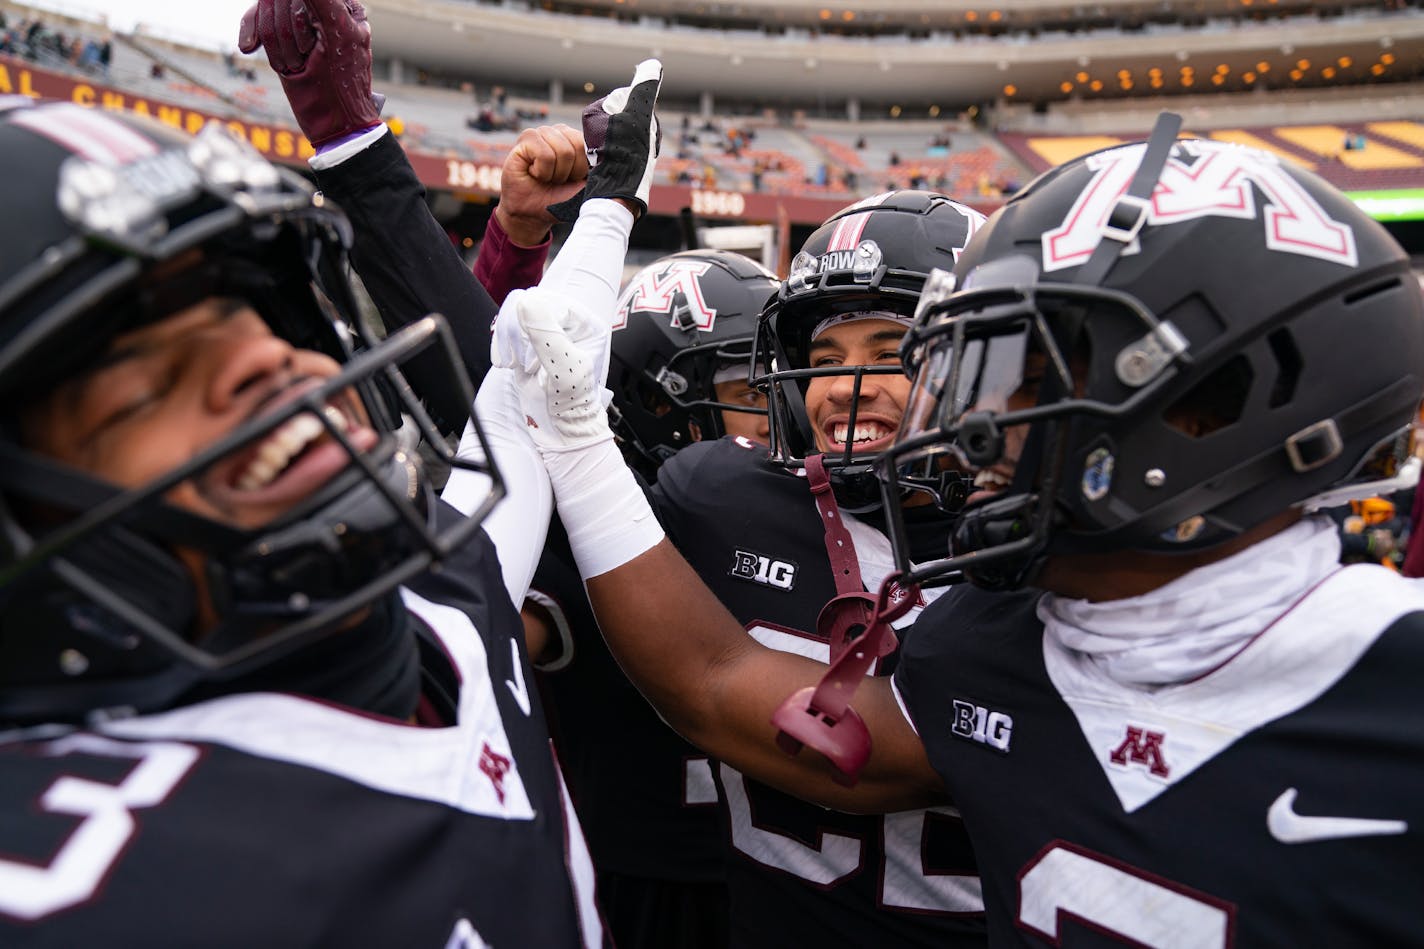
279	449
274	452
336	418
839	433
258	473
301	430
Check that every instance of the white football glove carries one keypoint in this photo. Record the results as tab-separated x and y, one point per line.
560	358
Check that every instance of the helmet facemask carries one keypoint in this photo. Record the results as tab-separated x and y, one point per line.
99	599
870	260
1007	390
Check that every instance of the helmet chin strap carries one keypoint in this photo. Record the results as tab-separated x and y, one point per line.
1130	212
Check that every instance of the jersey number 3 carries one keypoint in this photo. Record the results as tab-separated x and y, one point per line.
88	854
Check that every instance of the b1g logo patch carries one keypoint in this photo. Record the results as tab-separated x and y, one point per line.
982	725
768	571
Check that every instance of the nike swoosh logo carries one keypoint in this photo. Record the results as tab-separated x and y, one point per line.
516	685
1291	828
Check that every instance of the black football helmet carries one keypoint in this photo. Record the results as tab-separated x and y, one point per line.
682	320
873	256
116	223
1158	347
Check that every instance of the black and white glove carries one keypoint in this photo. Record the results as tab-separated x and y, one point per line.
622	139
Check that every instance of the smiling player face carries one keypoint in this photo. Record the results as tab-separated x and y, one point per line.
880	401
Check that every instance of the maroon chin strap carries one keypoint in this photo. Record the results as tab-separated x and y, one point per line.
857	626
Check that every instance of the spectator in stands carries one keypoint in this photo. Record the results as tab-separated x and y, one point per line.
1374	530
894	158
88	56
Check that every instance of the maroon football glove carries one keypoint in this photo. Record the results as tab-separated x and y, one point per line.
321	50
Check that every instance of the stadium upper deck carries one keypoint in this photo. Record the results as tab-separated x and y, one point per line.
774	164
761	59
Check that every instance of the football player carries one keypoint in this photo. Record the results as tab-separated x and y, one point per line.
1165	713
681	356
797	869
215	591
652	832
775	542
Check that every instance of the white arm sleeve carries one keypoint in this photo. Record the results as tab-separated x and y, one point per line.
518	524
586	274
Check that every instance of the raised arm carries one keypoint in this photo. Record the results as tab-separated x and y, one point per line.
546	166
583	281
694	662
321	52
320	49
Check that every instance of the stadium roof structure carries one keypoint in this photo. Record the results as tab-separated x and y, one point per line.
519	44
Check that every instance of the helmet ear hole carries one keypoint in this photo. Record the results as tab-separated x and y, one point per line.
1289	367
1216	402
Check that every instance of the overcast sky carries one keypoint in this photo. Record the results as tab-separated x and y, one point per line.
209	23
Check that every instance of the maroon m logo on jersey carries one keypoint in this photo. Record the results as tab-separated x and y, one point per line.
1144	748
495	766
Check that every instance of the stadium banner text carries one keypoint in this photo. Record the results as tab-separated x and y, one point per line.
438	172
18	77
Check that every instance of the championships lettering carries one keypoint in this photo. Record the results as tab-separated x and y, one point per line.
273	142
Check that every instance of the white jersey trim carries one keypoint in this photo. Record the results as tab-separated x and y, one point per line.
441	765
900	703
1290	664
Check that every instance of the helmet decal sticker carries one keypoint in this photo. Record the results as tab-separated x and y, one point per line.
658	289
973	220
847	232
92	135
1217	183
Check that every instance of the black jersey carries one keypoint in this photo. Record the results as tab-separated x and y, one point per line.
1273	801
801	874
275	820
645	795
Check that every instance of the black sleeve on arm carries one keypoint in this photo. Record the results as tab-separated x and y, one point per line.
411	269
